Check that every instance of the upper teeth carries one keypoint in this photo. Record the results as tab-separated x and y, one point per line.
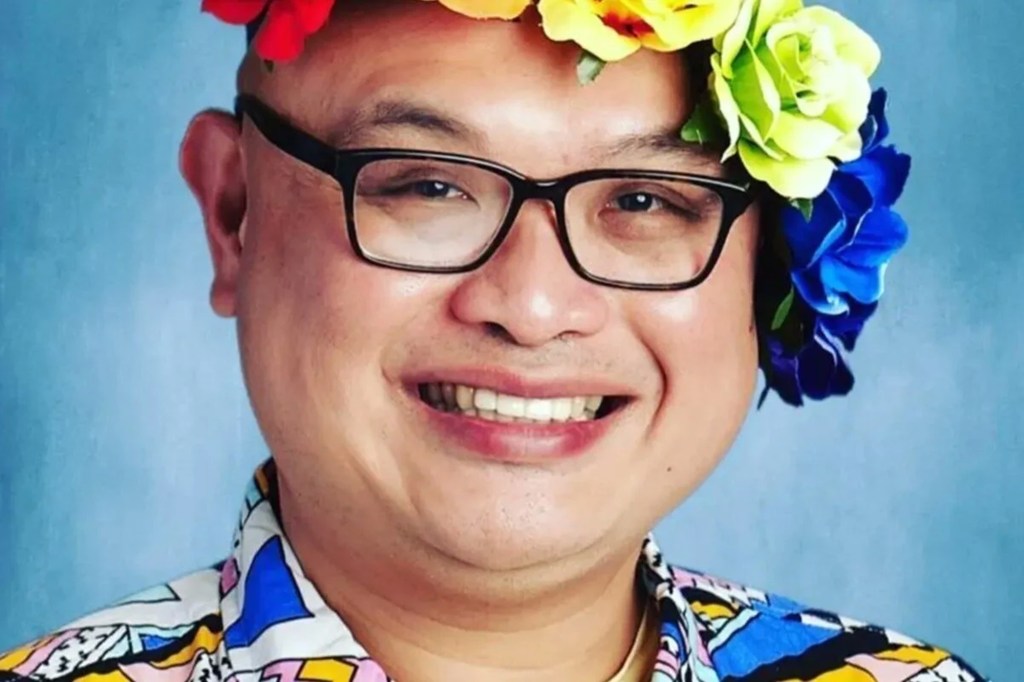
488	404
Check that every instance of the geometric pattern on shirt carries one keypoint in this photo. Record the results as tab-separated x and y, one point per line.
257	618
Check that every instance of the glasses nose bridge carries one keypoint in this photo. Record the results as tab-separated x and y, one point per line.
528	189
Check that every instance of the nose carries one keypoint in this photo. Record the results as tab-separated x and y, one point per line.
528	290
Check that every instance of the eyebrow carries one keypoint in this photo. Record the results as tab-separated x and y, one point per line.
409	114
668	142
396	113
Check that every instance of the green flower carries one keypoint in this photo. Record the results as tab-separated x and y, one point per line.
791	86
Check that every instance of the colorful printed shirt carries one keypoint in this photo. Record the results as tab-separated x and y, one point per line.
257	618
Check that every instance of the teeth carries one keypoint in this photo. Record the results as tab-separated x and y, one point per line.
540	410
578	406
561	409
482	398
511	405
486	404
464	397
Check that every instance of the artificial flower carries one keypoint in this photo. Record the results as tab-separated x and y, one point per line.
283	31
817	370
840	255
791	85
487	9
614	29
789	94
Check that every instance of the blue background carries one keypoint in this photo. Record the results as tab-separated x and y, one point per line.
126	436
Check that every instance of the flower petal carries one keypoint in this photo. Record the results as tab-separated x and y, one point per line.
311	15
234	11
852	43
880	236
808	240
849	110
822	370
876	128
791	178
729	44
846	328
812	290
727	105
281	37
848	148
755	94
565	20
865	284
678	27
804	138
884	171
852	195
770	11
491	9
782	374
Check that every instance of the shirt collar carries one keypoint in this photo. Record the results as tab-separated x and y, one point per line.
276	621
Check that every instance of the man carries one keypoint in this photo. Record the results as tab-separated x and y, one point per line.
471	441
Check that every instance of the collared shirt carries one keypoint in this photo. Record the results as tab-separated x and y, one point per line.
257	618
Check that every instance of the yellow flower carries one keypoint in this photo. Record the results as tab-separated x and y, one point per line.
614	29
488	9
791	84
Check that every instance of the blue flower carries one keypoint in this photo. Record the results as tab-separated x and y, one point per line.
818	370
841	253
839	258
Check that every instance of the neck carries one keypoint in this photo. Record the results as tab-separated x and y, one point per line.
424	618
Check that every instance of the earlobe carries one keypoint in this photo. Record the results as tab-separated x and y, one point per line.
210	161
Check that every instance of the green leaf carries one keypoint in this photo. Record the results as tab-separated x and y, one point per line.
783	310
805	206
588	67
704	125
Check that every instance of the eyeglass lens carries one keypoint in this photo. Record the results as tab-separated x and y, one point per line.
434	213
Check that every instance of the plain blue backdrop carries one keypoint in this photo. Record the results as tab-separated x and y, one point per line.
126	436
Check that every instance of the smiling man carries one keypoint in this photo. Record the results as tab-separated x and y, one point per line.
494	325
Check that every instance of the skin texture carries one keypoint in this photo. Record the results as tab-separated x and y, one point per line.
447	565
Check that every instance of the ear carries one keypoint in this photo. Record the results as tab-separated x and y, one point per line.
210	161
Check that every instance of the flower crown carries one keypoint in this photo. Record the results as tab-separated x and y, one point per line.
789	96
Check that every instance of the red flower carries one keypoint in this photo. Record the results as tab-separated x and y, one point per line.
285	28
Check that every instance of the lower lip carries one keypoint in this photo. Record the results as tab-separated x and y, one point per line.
518	442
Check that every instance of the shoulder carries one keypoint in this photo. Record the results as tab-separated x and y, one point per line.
753	635
178	623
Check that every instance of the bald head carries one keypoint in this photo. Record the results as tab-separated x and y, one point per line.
362	31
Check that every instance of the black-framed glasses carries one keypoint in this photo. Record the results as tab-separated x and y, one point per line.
426	211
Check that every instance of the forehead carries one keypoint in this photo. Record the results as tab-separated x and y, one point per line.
504	80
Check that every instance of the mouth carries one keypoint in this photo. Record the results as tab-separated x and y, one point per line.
489	405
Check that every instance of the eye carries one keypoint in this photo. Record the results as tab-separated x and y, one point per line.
427	189
639	202
435	189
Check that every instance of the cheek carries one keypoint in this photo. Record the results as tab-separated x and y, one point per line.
705	344
315	320
307	278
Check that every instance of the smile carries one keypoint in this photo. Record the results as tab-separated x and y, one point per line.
491	405
508	418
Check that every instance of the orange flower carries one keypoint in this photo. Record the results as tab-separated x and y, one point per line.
614	29
488	9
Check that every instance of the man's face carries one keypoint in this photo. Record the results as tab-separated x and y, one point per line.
337	353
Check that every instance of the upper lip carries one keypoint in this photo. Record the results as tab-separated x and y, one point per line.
520	384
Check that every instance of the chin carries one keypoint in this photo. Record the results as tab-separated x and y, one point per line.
506	551
516	530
